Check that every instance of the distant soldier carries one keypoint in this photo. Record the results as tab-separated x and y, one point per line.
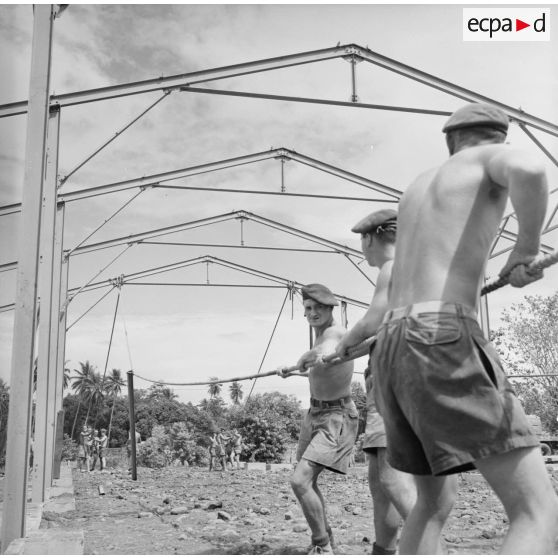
102	445
84	448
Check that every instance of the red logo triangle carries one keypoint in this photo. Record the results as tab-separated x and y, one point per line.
519	25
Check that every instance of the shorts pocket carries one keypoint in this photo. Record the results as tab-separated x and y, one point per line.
490	361
434	329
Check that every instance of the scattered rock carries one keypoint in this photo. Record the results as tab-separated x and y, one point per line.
230	535
145	514
289	515
179	510
357	511
214	505
269	538
264	511
224	515
300	527
166	499
357	537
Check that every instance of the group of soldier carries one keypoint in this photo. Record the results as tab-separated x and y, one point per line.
225	450
92	448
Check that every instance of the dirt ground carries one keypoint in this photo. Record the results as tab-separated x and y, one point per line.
180	510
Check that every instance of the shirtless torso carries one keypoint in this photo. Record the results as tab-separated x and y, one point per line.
329	382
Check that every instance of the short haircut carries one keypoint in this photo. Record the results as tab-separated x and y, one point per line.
386	233
480	133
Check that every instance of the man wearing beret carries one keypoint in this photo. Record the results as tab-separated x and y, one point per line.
444	397
329	429
393	492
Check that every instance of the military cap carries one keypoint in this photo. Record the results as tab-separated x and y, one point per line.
477	114
319	293
377	219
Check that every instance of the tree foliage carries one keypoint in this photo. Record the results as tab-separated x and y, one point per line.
527	342
4	407
235	392
173	431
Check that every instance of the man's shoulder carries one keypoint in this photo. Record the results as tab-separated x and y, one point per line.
335	330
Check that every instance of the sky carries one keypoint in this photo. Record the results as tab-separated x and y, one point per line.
187	334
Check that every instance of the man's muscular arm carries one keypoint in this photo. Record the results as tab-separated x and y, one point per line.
329	340
525	178
370	322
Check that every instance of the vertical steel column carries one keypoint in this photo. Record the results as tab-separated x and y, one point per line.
132	409
46	374
21	379
58	321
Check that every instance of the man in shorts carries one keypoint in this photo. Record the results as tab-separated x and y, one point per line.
213	450
84	448
236	449
222	441
103	444
445	399
329	428
393	492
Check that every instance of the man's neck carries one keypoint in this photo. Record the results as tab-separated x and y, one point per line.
386	256
318	330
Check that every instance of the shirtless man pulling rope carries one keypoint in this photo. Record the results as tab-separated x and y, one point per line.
329	428
445	399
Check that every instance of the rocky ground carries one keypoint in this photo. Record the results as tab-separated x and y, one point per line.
180	510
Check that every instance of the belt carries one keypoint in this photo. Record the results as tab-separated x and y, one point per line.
428	307
333	403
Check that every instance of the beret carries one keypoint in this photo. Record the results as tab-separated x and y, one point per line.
374	220
319	293
477	114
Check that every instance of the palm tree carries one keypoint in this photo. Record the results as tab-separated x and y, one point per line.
214	389
236	393
66	378
160	390
97	395
82	385
113	386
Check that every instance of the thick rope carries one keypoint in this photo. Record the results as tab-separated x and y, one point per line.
354	352
537	265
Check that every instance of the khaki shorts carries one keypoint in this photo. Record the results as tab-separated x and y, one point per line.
444	397
328	434
375	430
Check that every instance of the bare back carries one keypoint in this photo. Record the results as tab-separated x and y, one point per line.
447	221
